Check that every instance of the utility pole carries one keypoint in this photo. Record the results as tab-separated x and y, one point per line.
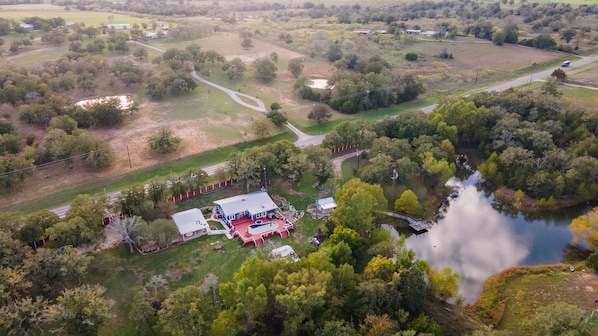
128	154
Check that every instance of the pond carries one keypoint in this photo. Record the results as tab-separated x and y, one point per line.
477	237
125	101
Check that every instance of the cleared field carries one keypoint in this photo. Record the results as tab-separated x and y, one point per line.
525	294
47	11
587	75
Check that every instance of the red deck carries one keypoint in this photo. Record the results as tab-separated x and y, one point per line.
240	229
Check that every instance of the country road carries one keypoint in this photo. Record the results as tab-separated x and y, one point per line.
305	140
524	80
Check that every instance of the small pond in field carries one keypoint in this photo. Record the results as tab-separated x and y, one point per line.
126	101
477	237
319	83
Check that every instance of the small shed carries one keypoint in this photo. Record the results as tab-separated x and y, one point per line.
191	223
326	204
284	252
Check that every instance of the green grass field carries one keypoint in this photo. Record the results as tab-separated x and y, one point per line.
525	293
47	11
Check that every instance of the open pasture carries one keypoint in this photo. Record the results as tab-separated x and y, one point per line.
47	11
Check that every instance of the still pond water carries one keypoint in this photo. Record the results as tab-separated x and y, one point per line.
477	237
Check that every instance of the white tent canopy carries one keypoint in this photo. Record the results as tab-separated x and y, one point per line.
326	204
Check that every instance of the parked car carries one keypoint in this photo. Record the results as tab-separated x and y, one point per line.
565	64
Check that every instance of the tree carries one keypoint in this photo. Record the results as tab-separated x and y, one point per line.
140	53
560	75
320	162
568	34
277	118
91	209
182	314
262	128
585	228
142	314
81	311
498	38
356	204
411	56
247	43
560	319
234	69
296	167
164	141
445	283
74	231
320	113
295	66
378	325
63	122
544	42
408	203
108	112
13	171
23	316
244	168
511	33
33	230
210	285
128	227
334	52
264	69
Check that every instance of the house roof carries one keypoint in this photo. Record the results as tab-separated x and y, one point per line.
253	203
326	203
189	221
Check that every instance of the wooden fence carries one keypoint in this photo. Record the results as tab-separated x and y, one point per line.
206	189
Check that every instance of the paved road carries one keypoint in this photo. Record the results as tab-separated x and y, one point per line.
524	80
305	140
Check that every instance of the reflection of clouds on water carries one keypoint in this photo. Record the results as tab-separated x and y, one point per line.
477	247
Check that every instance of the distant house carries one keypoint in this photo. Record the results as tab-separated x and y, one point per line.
190	223
69	25
119	26
362	31
255	205
381	31
151	35
414	31
27	26
161	26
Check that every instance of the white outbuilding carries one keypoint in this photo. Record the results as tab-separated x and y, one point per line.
191	223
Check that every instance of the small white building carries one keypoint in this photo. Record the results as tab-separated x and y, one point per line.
325	204
284	252
191	223
414	31
119	26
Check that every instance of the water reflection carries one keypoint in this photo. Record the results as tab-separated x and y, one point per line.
477	237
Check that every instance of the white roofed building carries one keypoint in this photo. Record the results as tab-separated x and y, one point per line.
191	223
255	205
326	204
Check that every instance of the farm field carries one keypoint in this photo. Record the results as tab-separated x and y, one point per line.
47	11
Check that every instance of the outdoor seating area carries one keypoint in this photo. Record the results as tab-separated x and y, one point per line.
249	232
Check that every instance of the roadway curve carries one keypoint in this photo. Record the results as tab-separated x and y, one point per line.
305	140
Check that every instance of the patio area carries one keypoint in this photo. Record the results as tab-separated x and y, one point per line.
256	231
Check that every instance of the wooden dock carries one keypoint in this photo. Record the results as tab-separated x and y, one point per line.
416	224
